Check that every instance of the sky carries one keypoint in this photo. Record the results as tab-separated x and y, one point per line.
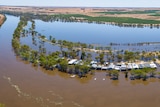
83	3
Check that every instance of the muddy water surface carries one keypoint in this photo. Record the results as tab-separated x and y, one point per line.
22	85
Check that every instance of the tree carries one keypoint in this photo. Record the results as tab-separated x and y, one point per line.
51	61
151	72
63	65
33	24
25	48
72	54
138	74
65	54
83	55
137	55
159	57
53	40
114	74
84	69
16	46
101	58
126	74
42	60
89	57
25	52
119	57
129	56
34	55
25	55
50	37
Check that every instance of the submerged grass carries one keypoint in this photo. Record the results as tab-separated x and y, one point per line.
2	105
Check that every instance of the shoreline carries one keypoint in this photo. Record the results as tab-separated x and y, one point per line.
2	19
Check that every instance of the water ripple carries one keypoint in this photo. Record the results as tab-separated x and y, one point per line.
58	99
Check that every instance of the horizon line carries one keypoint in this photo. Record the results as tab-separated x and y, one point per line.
77	6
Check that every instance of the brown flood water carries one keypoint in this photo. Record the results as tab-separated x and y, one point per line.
22	85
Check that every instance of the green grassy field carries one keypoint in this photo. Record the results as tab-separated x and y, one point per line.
109	19
130	12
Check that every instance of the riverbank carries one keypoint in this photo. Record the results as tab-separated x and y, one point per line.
2	19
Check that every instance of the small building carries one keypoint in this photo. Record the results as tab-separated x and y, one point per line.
71	62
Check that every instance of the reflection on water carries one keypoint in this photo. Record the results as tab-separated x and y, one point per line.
131	40
96	33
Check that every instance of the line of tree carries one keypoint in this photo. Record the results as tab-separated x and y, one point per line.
74	49
47	61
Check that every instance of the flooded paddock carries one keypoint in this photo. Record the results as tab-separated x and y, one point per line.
23	85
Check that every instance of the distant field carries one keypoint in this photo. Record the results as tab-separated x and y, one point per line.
157	14
110	19
131	12
124	20
138	14
99	15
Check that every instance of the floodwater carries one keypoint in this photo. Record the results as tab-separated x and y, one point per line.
92	33
22	85
96	34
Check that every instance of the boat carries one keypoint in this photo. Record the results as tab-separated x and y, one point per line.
72	76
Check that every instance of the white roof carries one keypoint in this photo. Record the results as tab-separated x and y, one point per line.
72	61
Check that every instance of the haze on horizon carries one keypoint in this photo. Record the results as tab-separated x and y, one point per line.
83	3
